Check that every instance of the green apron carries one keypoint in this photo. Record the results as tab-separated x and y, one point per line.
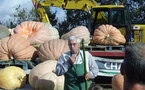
74	78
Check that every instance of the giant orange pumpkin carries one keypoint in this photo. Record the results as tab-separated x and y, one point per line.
51	50
108	35
80	31
16	47
42	77
36	32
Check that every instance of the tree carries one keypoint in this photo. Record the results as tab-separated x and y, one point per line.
74	18
137	8
21	15
51	16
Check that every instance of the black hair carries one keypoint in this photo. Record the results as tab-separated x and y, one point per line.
134	63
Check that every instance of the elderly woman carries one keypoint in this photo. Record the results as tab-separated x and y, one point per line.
71	64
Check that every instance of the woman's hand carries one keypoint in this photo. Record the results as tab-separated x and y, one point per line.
88	76
73	58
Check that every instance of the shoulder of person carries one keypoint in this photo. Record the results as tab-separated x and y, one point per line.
86	52
65	53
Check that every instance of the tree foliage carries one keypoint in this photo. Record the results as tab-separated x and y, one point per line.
51	16
76	17
21	15
137	10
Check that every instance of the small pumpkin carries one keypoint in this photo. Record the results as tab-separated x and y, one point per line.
108	35
16	47
80	31
12	77
4	32
42	79
117	82
52	50
36	32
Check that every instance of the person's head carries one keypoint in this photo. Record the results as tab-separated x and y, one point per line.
74	43
95	87
133	67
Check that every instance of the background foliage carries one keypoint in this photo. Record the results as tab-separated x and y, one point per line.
76	17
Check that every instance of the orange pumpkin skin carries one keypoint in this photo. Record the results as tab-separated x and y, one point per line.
117	82
35	32
80	31
52	50
16	47
4	49
108	35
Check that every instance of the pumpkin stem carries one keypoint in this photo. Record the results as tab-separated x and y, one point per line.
11	57
20	78
107	37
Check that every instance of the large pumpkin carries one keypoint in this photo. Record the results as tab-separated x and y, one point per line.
54	31
80	31
16	47
4	32
117	82
42	77
12	77
108	35
52	50
36	32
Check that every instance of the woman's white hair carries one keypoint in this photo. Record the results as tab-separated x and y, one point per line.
78	39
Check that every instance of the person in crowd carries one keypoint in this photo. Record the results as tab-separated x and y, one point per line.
133	67
95	87
117	82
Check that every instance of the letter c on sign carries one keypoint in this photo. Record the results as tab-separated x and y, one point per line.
106	66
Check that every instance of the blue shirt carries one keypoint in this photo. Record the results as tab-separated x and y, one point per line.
63	63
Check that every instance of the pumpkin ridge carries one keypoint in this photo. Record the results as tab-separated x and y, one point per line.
3	45
12	53
41	55
49	45
3	52
120	40
9	48
113	39
8	54
25	53
19	55
98	32
22	49
42	48
62	49
64	46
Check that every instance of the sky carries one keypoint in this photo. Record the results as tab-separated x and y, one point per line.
7	7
